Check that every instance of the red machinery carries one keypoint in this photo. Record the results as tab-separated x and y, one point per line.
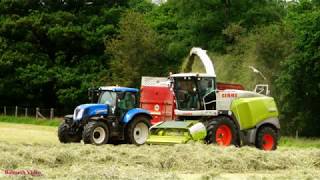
223	86
157	97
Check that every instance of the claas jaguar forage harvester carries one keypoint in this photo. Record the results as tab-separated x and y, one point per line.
204	113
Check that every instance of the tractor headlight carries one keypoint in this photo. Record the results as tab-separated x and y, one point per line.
78	113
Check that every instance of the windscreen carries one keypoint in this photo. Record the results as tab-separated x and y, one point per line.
195	93
108	97
186	93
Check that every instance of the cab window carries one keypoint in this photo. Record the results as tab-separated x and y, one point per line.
186	93
108	97
206	86
127	100
207	92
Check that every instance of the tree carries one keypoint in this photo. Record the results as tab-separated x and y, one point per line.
135	51
300	75
200	23
51	52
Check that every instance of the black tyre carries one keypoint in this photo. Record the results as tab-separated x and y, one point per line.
267	139
222	131
65	135
138	130
95	132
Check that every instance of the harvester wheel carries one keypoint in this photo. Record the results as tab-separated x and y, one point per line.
95	132
138	130
65	136
222	131
266	139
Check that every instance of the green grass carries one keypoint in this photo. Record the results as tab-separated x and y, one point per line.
29	120
284	141
25	147
28	134
300	142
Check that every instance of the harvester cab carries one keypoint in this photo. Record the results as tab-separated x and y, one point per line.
195	94
113	116
227	117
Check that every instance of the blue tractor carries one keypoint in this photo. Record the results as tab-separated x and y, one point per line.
115	117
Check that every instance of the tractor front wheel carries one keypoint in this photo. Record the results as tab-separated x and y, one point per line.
95	132
138	130
65	135
222	131
266	139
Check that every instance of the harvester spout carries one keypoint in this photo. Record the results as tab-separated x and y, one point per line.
205	59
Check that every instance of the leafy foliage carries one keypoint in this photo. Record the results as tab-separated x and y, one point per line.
135	51
51	54
300	76
52	51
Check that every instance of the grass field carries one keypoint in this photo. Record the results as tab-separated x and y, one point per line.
29	120
31	147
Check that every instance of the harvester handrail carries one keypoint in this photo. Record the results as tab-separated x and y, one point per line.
204	101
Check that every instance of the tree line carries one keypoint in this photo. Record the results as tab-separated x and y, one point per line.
52	51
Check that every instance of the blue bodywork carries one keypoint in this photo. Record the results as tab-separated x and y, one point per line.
90	110
132	113
86	111
119	89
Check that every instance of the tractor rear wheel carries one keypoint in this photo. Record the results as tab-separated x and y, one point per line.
138	130
65	136
95	132
222	131
267	139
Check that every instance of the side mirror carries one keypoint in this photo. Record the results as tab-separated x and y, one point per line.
93	94
90	93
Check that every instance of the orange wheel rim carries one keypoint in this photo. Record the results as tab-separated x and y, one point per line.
223	135
267	142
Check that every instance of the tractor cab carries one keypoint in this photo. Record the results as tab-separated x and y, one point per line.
119	99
